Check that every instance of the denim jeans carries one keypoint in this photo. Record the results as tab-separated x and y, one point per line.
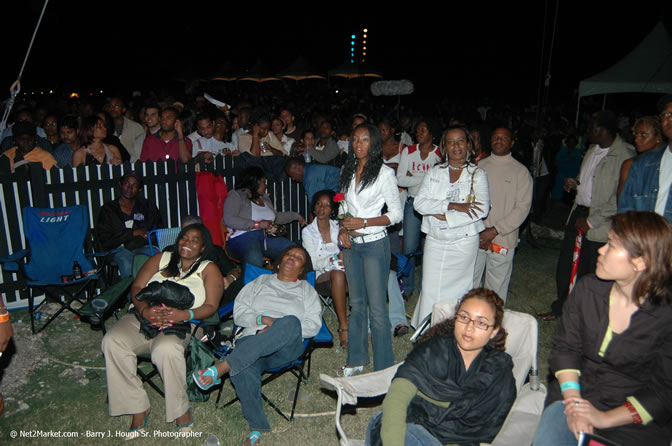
367	268
416	435
412	222
252	246
397	309
280	344
124	259
553	429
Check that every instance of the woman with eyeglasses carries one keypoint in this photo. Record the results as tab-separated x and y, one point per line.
453	200
457	384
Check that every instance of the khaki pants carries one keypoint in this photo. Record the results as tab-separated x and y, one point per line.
126	395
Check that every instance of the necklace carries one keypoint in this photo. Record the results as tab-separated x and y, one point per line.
457	168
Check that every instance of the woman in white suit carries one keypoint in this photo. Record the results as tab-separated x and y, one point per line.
453	200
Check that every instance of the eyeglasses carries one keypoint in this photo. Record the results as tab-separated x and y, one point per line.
464	319
665	115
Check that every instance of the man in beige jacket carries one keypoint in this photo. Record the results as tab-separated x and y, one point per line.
510	186
594	205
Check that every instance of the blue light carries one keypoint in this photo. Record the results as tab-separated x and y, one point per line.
352	36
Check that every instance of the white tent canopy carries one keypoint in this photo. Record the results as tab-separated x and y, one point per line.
647	69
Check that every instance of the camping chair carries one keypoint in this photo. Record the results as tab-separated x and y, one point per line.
98	309
521	344
163	237
212	321
298	366
55	240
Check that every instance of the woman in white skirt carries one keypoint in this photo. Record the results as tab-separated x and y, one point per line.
453	201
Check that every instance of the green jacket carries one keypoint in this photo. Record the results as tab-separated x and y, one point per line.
605	184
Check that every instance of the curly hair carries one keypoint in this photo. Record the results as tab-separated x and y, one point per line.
374	159
649	236
650	121
447	327
173	267
307	266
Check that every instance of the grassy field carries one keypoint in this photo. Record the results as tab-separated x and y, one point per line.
61	387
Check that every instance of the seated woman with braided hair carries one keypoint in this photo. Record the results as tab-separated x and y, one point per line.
162	329
457	384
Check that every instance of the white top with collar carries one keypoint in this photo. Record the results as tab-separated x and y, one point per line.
368	202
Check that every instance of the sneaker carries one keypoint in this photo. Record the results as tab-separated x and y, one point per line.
401	330
350	371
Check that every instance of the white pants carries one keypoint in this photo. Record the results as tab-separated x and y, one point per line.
497	268
447	273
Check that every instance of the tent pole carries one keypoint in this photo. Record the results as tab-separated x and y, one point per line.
604	102
578	104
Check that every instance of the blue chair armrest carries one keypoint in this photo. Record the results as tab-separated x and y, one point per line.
103	253
10	262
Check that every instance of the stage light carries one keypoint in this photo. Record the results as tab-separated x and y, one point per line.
365	30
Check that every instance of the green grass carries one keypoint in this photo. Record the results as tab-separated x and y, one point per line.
66	389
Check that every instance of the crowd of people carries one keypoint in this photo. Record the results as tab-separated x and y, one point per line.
453	194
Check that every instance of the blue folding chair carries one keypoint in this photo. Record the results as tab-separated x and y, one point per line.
163	237
300	367
55	239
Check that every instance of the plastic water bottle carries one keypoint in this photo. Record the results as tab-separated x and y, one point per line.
307	157
39	316
212	440
76	271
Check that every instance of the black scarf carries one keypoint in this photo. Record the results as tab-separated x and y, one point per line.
480	398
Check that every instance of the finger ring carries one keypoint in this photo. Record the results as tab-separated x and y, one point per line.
576	403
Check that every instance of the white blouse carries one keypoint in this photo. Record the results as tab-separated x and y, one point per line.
320	252
368	202
437	192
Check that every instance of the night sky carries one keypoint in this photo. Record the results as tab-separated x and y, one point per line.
480	48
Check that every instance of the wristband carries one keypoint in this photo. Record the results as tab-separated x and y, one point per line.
259	319
191	315
633	413
366	223
4	317
570	385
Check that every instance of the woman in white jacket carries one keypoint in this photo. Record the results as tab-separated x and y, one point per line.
320	238
453	200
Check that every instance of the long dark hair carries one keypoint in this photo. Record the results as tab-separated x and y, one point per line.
649	236
447	327
250	179
173	267
373	163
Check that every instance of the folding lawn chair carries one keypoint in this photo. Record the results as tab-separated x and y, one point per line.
55	240
521	343
298	366
163	237
212	321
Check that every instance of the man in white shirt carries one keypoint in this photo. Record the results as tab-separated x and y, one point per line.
126	130
594	204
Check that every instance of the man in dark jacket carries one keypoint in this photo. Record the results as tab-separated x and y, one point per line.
125	222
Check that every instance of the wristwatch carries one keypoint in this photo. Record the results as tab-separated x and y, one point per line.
366	222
